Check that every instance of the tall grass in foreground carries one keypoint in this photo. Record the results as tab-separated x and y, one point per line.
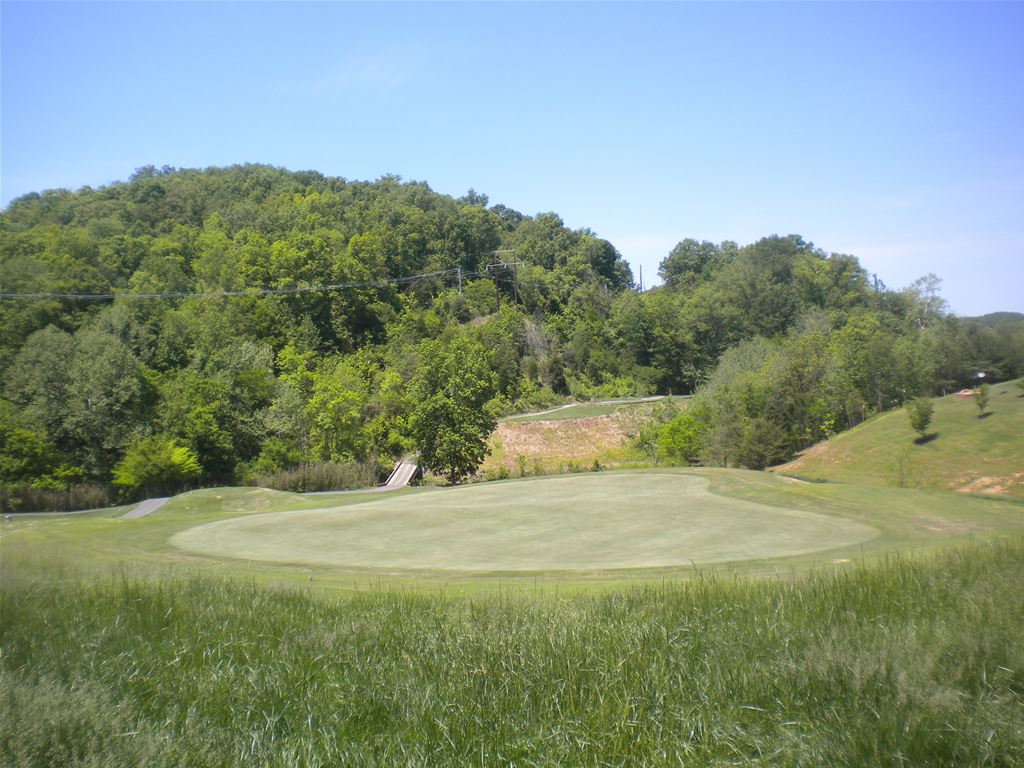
907	663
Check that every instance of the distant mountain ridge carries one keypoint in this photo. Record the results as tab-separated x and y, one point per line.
993	319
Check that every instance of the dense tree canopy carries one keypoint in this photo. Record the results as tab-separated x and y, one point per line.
259	320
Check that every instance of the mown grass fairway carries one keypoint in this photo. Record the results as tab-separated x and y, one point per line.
592	531
587	522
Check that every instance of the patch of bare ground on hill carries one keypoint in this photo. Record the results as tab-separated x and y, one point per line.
560	445
991	484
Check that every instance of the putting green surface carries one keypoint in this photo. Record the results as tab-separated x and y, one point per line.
580	522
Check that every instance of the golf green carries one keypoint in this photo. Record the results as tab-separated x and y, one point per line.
580	522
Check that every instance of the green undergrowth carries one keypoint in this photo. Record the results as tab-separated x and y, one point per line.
901	662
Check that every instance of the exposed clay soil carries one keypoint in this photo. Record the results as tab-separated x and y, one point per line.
992	484
567	438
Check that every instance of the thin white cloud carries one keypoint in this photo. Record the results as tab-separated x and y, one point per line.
383	71
645	242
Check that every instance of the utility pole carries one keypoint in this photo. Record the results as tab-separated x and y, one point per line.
641	278
458	271
515	281
492	268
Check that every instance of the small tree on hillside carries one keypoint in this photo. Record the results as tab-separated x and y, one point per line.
920	411
981	397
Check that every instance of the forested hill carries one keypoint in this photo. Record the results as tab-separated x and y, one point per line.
217	325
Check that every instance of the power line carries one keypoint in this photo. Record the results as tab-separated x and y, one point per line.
490	272
223	294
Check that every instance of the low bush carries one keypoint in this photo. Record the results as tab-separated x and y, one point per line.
25	498
326	476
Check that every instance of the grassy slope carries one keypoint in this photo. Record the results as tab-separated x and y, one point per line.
967	453
890	661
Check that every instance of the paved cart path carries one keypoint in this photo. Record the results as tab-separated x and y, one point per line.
402	475
557	408
143	509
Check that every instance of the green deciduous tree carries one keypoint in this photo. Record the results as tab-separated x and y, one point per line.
334	412
450	421
108	396
24	455
981	395
37	382
196	410
688	263
920	412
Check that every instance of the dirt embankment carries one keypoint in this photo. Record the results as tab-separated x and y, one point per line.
552	445
566	438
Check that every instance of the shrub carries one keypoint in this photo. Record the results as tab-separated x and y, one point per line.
682	439
276	455
156	465
27	498
326	476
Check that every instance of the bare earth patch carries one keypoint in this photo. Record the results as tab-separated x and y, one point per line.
992	484
562	438
556	443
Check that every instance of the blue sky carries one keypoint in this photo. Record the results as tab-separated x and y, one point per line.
889	131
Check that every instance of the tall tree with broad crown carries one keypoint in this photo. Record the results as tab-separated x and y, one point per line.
450	421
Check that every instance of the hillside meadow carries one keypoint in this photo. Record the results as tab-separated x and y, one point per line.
964	450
